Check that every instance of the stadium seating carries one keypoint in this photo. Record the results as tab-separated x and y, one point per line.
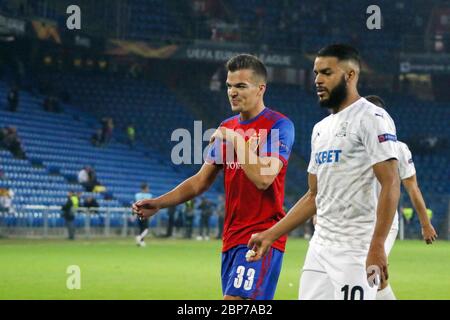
305	25
57	146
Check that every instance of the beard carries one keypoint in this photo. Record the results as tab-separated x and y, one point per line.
336	96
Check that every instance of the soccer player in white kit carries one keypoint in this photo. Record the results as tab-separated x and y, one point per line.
407	173
351	149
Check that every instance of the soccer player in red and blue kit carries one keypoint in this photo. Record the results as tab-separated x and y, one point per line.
252	148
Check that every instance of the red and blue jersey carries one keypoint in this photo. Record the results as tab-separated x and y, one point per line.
249	210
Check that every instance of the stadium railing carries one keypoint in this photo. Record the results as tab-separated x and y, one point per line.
47	222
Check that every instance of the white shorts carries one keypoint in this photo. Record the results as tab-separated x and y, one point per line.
335	274
390	240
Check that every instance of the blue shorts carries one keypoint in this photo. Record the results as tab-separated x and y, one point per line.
250	280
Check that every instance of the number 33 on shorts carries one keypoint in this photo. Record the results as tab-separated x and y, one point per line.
250	280
241	273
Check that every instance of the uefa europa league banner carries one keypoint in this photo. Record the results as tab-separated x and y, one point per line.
206	51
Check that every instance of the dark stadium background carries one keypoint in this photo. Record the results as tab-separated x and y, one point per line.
158	65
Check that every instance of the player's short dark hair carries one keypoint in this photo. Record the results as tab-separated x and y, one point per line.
144	186
342	52
247	61
376	100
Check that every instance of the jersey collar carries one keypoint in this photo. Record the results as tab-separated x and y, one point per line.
254	118
348	108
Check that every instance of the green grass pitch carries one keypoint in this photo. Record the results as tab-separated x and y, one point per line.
180	269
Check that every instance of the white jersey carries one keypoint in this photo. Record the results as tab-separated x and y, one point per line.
406	170
345	146
406	167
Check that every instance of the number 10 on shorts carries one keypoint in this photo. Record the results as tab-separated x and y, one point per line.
240	271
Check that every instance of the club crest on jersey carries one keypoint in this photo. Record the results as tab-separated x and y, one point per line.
256	137
342	129
254	141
